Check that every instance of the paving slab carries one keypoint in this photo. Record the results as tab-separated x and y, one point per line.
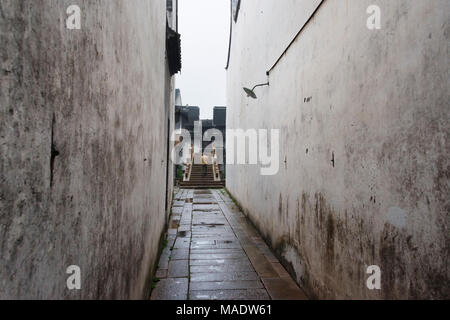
266	251
204	195
184	234
206	207
203	234
217	251
204	200
221	262
171	240
211	227
182	243
184	228
164	260
226	285
213	256
218	254
187	211
229	268
172	231
252	294
203	242
178	203
283	289
180	254
174	223
217	245
196	192
215	235
177	210
224	276
161	273
178	269
185	222
212	220
262	266
171	289
280	270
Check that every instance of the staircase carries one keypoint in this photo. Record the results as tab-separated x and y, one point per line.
198	181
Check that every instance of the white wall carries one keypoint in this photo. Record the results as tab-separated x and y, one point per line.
378	101
100	95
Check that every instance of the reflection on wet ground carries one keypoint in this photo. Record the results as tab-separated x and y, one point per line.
213	252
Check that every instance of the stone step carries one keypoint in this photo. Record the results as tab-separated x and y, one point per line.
201	173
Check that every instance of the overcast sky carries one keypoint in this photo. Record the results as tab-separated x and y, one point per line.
204	26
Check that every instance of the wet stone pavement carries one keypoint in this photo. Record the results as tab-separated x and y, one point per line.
214	253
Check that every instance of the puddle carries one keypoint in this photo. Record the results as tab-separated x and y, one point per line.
182	234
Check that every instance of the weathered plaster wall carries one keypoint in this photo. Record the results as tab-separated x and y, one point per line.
364	166
98	95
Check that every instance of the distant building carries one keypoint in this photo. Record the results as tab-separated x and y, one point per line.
218	122
178	100
220	117
187	116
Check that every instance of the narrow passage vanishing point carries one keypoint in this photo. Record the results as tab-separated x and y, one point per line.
214	253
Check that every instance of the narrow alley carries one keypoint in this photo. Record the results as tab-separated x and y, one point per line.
214	253
172	150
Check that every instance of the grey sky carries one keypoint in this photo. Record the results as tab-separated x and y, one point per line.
204	26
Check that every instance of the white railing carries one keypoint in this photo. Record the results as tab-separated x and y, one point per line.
189	165
215	165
